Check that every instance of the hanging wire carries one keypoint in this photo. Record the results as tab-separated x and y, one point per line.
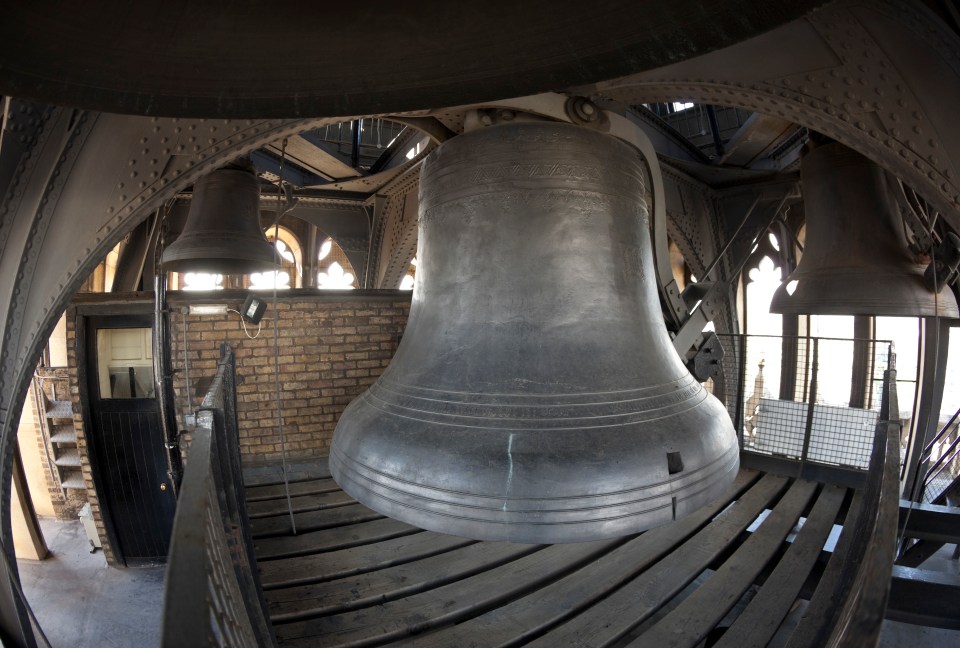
276	341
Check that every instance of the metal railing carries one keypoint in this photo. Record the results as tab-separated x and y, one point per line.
805	399
213	595
945	469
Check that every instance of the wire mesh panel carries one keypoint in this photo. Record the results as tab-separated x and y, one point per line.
804	398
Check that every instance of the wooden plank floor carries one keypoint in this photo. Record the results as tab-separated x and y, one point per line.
351	577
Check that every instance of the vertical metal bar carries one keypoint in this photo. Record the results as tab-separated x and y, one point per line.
163	381
862	332
187	387
741	379
310	265
355	151
810	405
926	413
788	357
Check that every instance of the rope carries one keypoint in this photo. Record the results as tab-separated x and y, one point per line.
276	341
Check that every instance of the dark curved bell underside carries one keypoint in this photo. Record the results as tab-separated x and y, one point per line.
855	260
222	233
229	60
535	396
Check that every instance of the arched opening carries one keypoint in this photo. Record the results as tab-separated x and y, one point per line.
335	270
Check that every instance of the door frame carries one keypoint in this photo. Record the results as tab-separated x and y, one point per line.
82	315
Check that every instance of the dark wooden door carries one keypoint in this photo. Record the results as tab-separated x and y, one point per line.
127	451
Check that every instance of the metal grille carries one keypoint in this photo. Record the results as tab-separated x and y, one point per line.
803	398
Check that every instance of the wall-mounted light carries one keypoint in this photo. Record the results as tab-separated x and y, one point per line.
253	309
207	309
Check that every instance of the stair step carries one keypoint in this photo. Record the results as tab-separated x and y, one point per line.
65	435
73	479
59	409
68	459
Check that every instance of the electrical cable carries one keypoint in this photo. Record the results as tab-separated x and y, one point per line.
244	323
276	342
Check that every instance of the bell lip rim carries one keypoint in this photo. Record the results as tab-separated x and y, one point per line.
943	304
550	532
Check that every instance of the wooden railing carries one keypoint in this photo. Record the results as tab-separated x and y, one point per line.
848	606
213	595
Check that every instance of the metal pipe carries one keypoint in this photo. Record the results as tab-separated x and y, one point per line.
733	238
163	382
776	214
715	130
355	151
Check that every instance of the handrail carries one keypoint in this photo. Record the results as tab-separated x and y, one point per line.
945	460
928	449
213	595
848	608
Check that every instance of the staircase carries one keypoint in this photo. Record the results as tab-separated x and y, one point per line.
56	425
928	526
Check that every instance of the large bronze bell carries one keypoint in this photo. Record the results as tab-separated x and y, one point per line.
535	396
855	259
222	233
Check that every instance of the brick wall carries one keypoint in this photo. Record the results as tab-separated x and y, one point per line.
331	348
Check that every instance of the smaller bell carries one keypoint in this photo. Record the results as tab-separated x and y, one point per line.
222	234
855	261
